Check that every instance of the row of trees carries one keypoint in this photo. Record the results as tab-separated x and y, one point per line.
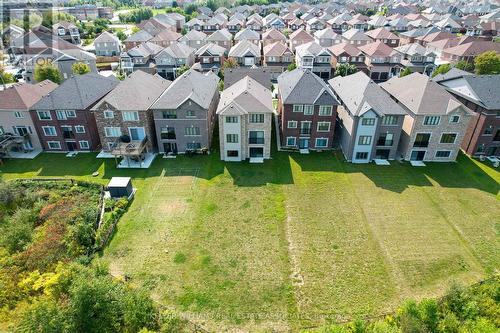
485	63
136	15
50	72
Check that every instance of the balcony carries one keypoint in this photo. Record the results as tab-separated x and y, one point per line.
256	141
385	143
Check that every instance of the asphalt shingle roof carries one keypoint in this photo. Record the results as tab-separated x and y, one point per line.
303	87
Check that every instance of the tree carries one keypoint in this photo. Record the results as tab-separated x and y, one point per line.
5	77
182	70
345	69
80	68
121	35
404	72
291	67
465	66
230	63
441	69
48	71
487	63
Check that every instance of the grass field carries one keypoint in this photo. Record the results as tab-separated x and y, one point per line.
298	241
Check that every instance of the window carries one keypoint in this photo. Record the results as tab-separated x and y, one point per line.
361	155
448	138
422	140
256	137
193	145
488	130
290	141
308	110
19	114
480	148
497	135
191	113
54	144
232	153
325	110
49	130
79	129
231	119
70	113
292	124
368	121
130	116
172	114
298	108
232	138
454	119
257	118
385	139
323	126
112	132
431	120
191	131
108	114
364	140
167	133
390	120
443	153
44	115
84	144
321	142
61	115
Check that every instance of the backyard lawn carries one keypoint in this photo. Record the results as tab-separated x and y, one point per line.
298	241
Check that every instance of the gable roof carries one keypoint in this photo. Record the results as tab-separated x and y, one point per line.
177	50
106	37
244	47
212	49
276	49
191	85
360	94
259	74
355	34
377	48
193	35
245	96
23	96
381	33
220	35
78	92
301	34
136	93
311	48
273	34
139	36
247	34
326	33
304	87
420	95
344	47
166	35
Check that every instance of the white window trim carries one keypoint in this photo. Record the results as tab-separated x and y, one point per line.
453	122
45	133
330	110
291	121
80	144
435	154
130	112
452	143
109	111
294	141
48	112
78	126
19	114
52	142
112	136
323	122
299	106
439	121
316	143
309	113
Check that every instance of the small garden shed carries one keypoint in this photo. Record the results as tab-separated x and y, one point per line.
120	187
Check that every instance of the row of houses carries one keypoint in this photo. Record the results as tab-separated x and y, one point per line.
409	118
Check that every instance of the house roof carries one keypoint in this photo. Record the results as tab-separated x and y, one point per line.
177	50
276	49
420	95
247	34
273	34
193	35
473	48
145	49
245	96
139	36
304	87
106	37
23	96
360	94
301	34
355	34
260	74
381	33
191	85
220	35
451	74
311	48
348	48
136	93
326	33
212	49
436	36
78	92
166	35
377	48
412	49
243	48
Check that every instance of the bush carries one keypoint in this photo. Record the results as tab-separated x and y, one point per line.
48	72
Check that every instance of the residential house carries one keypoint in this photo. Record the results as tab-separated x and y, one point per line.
184	114
299	37
63	118
327	37
259	74
296	24
314	57
358	22
67	31
245	115
307	111
17	130
222	38
194	39
255	24
369	121
107	45
137	39
347	53
123	115
448	24
480	93
165	38
248	35
339	22
272	36
209	57
246	53
382	61
214	24
384	35
436	122
400	24
417	58
433	37
194	24
140	58
410	36
468	51
277	57
172	58
356	37
377	21
235	24
315	24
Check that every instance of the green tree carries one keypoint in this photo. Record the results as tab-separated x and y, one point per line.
291	66
121	35
230	63
487	63
404	72
441	69
345	69
5	77
139	312
44	316
48	71
80	68
465	66
182	70
429	313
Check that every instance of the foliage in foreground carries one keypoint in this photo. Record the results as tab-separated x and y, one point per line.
462	310
48	72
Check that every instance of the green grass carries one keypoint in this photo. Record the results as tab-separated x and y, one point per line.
298	241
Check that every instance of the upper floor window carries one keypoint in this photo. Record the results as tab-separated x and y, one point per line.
431	120
192	131
323	126
308	110
172	114
231	119
108	114
44	115
79	129
448	138
257	118
390	120
368	121
19	114
325	110
112	132
298	108
191	113
454	119
365	140
130	115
